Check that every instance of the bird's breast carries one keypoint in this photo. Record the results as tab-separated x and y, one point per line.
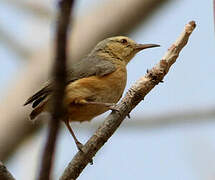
105	89
110	88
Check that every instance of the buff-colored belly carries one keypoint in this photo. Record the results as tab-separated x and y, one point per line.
106	89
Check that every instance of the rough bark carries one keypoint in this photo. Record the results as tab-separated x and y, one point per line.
4	173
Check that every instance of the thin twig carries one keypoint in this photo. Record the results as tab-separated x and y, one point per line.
170	119
134	95
214	12
65	7
174	118
13	44
4	173
36	8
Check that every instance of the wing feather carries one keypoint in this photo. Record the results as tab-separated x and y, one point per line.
89	66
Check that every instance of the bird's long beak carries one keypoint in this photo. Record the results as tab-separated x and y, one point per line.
140	47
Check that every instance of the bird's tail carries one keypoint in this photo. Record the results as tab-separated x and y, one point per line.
38	101
36	111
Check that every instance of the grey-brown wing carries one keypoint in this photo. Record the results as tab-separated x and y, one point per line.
89	66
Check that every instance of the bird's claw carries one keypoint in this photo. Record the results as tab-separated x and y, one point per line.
80	146
91	161
113	107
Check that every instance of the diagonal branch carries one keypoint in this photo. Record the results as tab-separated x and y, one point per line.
59	75
134	95
35	8
171	119
4	173
13	44
214	11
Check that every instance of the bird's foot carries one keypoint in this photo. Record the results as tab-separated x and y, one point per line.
79	146
112	106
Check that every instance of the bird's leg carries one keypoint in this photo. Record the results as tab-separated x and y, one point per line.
111	106
77	142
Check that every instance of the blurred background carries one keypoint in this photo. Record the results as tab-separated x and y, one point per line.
171	134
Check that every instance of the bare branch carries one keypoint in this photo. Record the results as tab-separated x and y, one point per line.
59	75
196	116
189	116
214	11
13	44
134	95
34	7
13	119
4	173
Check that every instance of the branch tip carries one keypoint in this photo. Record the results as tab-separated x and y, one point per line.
190	27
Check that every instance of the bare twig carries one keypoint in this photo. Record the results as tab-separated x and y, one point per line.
4	173
65	7
13	44
214	11
33	7
172	119
15	120
134	95
188	116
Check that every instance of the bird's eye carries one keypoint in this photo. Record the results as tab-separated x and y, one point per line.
124	41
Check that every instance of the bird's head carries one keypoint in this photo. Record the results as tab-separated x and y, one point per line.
121	47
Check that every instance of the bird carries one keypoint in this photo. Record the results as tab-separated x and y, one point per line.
94	84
